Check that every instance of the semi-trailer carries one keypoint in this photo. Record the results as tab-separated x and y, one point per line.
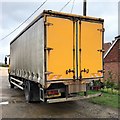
56	56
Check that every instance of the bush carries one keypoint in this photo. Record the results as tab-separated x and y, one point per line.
109	83
116	86
4	65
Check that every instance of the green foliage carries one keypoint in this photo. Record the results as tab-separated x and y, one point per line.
111	93
114	91
109	83
107	99
3	65
96	83
116	86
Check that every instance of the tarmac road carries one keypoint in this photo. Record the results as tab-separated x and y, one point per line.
13	105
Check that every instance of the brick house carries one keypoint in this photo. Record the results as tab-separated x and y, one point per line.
107	46
112	60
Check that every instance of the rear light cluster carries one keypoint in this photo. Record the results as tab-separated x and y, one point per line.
52	92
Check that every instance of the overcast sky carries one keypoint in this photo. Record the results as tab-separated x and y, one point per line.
13	13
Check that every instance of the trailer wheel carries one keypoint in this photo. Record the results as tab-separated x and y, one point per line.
11	85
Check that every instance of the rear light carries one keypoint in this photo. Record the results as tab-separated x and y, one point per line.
52	92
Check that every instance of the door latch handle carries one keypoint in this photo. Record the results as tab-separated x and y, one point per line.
85	70
69	71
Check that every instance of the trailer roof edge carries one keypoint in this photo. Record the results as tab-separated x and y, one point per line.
50	12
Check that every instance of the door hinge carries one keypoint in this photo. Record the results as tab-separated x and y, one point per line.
48	24
101	50
48	48
101	30
101	71
47	73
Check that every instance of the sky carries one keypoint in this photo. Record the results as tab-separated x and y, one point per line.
119	18
13	13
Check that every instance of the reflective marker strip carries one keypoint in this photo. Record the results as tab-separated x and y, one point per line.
4	103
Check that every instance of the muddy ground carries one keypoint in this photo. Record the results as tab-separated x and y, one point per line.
13	105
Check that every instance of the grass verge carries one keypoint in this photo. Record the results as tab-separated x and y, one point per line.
107	99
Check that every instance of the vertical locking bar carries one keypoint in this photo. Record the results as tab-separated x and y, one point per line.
45	46
77	49
74	49
80	74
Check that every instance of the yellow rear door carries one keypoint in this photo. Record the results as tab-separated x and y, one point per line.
90	45
74	49
59	48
